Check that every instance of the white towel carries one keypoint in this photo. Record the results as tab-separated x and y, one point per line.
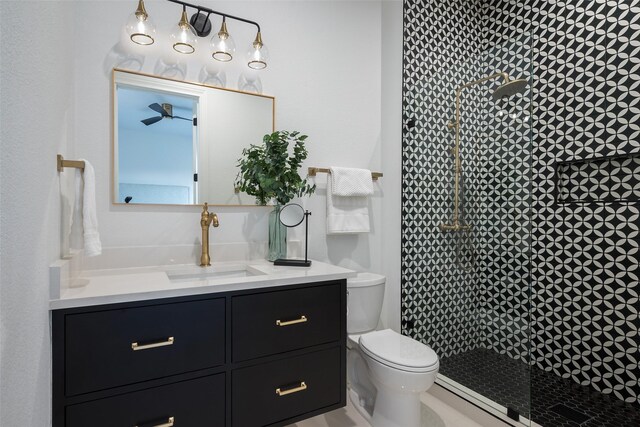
351	182
86	202
347	214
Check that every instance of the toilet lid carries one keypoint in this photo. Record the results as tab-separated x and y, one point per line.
395	350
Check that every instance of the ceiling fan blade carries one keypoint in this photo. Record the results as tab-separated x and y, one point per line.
182	118
158	108
151	120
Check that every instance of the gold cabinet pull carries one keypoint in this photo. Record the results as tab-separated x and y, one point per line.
302	319
301	387
135	347
169	423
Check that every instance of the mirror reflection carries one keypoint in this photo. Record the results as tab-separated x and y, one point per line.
156	149
291	215
178	142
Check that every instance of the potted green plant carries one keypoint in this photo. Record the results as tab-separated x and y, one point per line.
269	171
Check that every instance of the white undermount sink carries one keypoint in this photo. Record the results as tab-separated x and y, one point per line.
205	273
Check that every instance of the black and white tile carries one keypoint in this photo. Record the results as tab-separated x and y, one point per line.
559	279
555	401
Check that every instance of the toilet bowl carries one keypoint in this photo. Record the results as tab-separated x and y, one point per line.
386	370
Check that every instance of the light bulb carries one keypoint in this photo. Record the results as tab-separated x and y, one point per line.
184	38
258	54
222	45
139	26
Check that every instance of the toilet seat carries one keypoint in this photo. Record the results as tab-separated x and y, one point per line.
398	351
354	338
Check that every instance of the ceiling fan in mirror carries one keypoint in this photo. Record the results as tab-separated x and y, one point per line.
165	110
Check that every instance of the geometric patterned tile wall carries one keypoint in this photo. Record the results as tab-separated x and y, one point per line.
585	104
439	300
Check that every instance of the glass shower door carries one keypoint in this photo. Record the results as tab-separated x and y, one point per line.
467	233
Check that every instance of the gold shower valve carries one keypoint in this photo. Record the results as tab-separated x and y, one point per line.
454	227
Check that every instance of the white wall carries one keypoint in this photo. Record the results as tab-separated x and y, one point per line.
326	71
36	122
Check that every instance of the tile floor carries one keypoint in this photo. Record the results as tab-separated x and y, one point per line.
513	384
435	413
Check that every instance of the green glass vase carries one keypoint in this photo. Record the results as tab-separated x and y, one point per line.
277	236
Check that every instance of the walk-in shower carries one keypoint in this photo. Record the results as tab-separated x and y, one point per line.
467	234
520	230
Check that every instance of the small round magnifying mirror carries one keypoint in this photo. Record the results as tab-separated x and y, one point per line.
292	215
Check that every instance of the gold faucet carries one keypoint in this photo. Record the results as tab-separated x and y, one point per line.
206	219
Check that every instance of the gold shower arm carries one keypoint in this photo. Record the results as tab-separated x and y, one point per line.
502	74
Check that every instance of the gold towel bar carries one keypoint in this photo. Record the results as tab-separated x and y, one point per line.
62	163
313	171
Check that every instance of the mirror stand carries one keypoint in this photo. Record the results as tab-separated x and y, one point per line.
306	262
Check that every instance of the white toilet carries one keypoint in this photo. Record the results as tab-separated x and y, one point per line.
386	371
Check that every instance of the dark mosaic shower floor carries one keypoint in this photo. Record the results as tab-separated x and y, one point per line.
506	381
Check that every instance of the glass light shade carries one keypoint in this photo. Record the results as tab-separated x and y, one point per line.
258	54
222	45
184	38
140	27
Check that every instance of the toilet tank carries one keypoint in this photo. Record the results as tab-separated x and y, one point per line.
364	302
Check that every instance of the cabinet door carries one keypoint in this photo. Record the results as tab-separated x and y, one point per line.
111	348
275	391
193	403
276	322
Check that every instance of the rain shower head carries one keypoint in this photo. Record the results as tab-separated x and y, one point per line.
509	88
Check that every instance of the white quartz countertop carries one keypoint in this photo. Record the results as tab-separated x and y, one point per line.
97	287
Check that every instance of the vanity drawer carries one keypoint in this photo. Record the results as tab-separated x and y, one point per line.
111	348
194	403
275	322
255	399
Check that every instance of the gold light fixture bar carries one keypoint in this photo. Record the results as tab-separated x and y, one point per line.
313	171
62	163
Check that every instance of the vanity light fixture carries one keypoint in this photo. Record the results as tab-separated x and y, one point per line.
140	27
258	55
222	45
184	40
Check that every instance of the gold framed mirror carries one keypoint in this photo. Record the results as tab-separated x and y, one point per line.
177	142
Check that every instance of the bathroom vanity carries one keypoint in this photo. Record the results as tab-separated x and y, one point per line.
255	346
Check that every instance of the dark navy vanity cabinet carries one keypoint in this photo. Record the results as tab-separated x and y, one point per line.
263	357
